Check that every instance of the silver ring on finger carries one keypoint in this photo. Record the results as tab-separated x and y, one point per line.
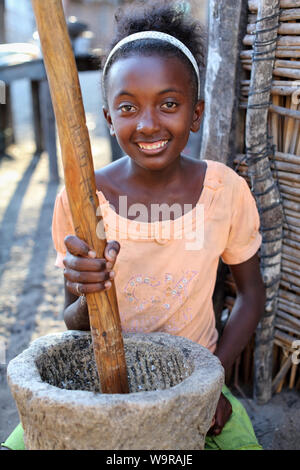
77	290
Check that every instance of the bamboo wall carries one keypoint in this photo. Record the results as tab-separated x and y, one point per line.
284	133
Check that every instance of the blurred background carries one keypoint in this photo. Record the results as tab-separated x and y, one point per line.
93	22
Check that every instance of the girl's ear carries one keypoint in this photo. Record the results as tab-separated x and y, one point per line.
197	116
108	120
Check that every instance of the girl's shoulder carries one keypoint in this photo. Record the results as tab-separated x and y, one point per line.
222	171
107	176
224	175
224	180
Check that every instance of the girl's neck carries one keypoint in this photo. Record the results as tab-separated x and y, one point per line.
157	179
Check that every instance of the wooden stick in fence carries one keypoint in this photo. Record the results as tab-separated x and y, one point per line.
287	157
279	110
293	272
291	251
288	64
290	297
80	185
284	28
293	375
287	178
287	167
253	4
288	307
284	338
284	111
291	14
282	345
291	279
290	318
287	53
288	83
284	47
298	148
290	264
291	193
291	229
291	205
284	64
291	268
290	286
293	243
292	213
282	40
295	123
284	326
275	90
287	126
275	123
294	217
278	381
281	56
246	55
286	72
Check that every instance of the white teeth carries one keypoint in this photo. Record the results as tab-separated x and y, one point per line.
153	146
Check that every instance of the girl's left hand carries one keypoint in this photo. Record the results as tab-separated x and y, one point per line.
222	415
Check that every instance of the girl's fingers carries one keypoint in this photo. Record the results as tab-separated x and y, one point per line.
80	257
87	277
78	263
78	247
111	252
78	289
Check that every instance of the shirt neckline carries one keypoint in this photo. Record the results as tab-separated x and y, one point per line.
178	221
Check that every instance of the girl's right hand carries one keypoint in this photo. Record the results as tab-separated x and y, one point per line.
84	273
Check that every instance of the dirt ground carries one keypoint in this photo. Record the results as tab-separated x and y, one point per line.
32	287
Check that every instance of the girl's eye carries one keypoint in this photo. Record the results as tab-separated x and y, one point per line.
127	108
169	105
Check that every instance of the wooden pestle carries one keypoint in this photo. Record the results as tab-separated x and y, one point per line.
81	186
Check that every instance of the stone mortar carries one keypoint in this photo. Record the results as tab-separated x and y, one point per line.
174	389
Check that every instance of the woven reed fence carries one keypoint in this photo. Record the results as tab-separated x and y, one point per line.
284	141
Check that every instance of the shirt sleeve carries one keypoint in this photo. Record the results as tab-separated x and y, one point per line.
244	238
61	226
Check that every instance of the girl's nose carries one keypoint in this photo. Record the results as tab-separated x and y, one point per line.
148	123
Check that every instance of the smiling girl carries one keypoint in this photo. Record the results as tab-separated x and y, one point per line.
152	89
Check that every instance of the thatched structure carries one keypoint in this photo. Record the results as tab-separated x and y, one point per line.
264	148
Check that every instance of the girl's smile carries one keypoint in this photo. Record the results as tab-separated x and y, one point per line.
151	108
154	147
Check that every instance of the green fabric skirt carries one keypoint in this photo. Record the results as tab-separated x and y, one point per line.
237	434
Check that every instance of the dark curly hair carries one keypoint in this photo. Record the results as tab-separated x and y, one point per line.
164	16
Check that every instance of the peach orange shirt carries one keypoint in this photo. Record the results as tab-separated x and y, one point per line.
166	271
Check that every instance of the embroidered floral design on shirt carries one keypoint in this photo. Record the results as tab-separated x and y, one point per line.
163	295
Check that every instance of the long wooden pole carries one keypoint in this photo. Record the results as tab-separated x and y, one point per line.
80	185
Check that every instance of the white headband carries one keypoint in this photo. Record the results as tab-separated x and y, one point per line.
155	35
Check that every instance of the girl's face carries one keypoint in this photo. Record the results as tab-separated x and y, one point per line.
151	108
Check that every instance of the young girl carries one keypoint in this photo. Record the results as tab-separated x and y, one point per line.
168	218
